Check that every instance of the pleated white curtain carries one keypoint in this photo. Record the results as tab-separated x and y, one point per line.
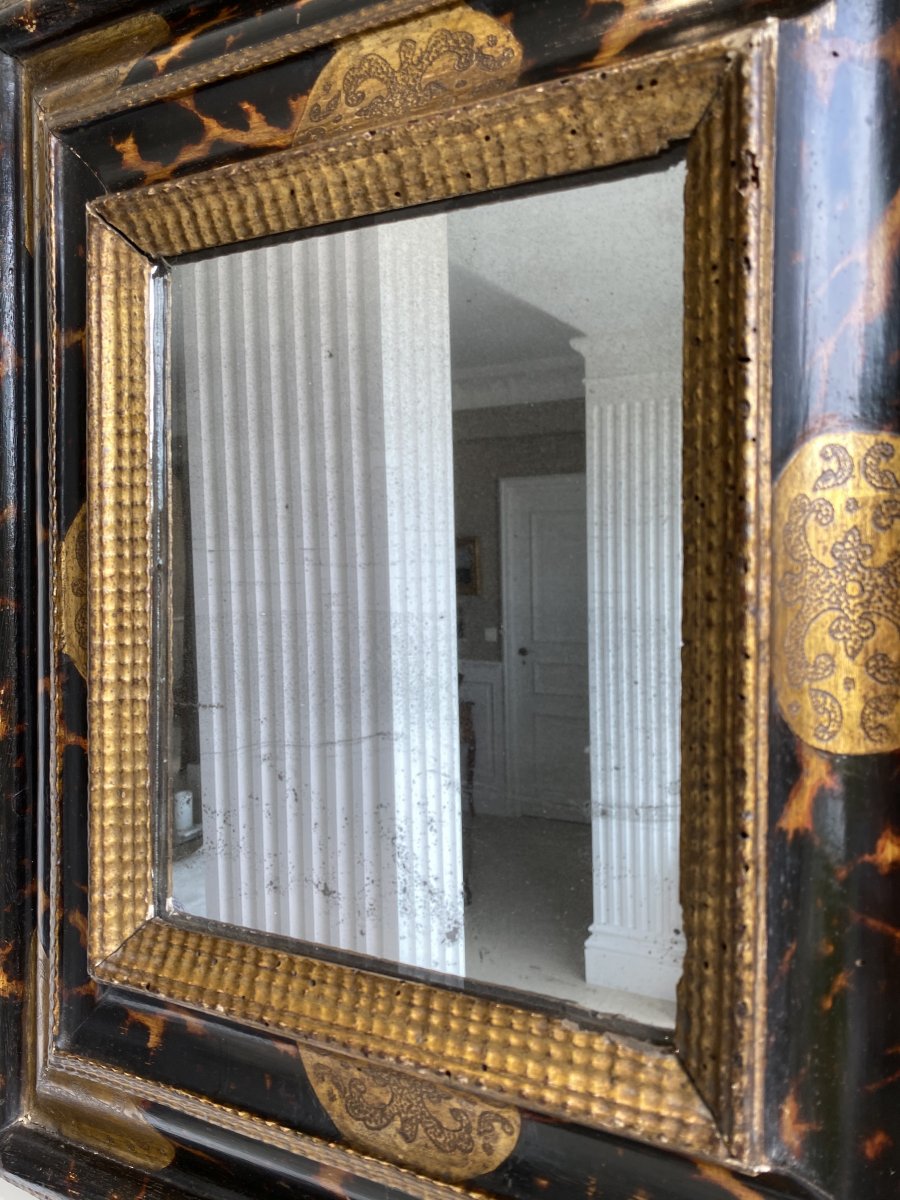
318	412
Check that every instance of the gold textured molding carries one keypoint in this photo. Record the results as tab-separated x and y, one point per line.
837	592
335	1161
717	97
72	591
725	605
119	280
423	1125
69	1093
589	121
508	1054
436	61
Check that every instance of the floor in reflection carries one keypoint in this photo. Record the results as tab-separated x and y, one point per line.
530	886
530	882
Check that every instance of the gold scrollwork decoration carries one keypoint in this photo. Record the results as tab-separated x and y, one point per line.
414	1122
436	61
73	606
837	593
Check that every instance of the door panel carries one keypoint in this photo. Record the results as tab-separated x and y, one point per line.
544	550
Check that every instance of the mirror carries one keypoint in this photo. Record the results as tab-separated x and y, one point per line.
425	577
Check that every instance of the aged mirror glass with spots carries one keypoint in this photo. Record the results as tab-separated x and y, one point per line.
424	482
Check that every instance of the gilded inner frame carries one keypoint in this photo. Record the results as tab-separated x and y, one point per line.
704	1093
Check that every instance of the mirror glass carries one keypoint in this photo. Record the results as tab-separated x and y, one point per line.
425	587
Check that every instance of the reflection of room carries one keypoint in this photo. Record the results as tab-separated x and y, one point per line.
564	316
577	331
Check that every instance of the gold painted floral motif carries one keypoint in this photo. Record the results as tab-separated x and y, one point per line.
433	62
418	1124
837	597
73	592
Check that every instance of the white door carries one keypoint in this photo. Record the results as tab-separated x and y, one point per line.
545	631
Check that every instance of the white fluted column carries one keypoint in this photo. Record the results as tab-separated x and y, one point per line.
633	430
320	452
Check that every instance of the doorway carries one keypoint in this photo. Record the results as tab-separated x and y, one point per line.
545	636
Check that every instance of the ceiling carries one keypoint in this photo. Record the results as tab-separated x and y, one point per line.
603	259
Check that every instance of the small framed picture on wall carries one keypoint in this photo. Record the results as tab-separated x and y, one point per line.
468	567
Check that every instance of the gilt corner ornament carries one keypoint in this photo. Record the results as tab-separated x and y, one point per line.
414	1122
837	593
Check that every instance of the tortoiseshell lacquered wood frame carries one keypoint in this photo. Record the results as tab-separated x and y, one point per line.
113	1091
719	98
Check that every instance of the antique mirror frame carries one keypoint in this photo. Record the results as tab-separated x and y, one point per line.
149	1045
717	98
